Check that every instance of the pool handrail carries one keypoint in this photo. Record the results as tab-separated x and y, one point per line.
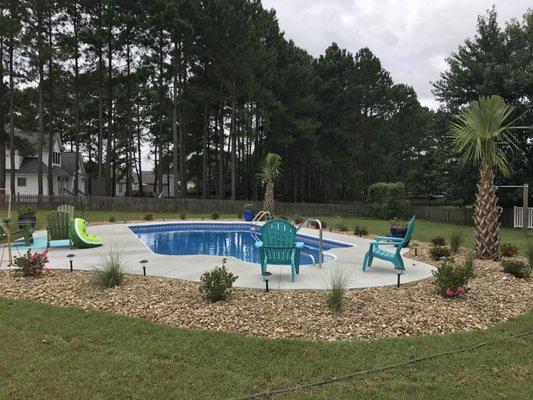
320	245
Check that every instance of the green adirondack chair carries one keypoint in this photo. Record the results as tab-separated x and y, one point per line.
278	246
17	234
58	227
395	257
67	208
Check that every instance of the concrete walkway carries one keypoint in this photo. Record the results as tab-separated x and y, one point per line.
348	260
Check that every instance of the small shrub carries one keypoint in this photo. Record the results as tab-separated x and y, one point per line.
451	279
183	216
518	268
360	230
297	219
438	252
438	241
111	218
508	250
529	253
339	280
27	211
215	284
31	264
339	224
214	215
110	270
248	207
148	217
456	239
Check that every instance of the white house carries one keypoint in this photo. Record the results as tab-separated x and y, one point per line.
26	166
148	179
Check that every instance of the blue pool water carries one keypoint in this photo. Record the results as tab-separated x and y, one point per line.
233	240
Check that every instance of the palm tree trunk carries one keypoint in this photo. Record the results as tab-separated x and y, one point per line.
268	203
487	216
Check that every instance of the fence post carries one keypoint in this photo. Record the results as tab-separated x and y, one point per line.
525	209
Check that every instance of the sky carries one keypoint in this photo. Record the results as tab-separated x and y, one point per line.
412	38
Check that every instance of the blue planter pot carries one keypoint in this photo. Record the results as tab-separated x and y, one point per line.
248	215
398	232
25	220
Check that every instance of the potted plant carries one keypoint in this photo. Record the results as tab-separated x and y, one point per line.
248	211
398	227
27	217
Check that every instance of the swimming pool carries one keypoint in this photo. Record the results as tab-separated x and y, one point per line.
232	240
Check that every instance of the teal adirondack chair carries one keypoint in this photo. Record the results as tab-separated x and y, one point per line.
278	246
395	257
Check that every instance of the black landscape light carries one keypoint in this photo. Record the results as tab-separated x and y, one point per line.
143	263
70	257
266	275
398	273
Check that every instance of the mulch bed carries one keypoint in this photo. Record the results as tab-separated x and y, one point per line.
412	309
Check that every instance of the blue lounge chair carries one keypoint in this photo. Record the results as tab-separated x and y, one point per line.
395	257
278	246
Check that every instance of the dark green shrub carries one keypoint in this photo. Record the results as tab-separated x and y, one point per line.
148	217
438	241
239	216
456	239
111	218
214	215
438	252
387	200
183	216
110	271
451	279
215	284
518	268
508	250
339	224
360	230
248	207
27	211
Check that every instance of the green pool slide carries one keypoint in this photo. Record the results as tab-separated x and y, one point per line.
80	237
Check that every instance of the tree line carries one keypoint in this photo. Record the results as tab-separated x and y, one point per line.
210	87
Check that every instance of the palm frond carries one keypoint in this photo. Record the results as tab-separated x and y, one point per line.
271	168
482	133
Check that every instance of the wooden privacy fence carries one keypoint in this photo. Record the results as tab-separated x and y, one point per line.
110	204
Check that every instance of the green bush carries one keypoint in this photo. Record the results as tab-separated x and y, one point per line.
215	284
110	270
518	268
438	252
360	230
214	215
451	279
438	241
248	207
508	250
183	216
148	217
297	219
339	280
27	211
387	200
239	216
456	239
111	218
31	264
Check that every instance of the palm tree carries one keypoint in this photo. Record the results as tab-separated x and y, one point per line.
270	170
482	137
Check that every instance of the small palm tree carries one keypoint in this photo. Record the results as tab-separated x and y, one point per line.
482	137
270	170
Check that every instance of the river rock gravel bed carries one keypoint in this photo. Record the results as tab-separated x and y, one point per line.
412	309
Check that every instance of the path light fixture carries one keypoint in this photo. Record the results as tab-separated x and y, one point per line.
266	276
143	264
398	274
70	257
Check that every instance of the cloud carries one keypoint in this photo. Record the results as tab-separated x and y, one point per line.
411	37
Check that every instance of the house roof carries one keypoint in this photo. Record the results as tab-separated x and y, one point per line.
30	165
149	178
28	141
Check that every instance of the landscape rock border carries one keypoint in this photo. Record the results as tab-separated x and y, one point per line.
412	309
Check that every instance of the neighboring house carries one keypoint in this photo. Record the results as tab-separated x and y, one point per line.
148	179
27	163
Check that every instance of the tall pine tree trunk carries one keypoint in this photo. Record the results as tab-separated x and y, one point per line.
109	144
129	133
221	183
233	137
40	61
175	167
204	150
76	27
51	109
12	113
3	136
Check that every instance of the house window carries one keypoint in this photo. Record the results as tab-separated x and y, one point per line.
56	157
21	182
120	187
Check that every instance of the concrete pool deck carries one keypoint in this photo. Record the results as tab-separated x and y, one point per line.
348	259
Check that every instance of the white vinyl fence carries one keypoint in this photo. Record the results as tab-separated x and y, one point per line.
519	217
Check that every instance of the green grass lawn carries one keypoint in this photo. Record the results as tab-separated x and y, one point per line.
424	230
49	352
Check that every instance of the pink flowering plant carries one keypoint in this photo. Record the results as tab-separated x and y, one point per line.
32	264
451	278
